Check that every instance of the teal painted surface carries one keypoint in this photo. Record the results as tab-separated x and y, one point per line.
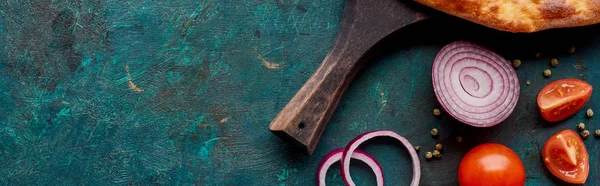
182	93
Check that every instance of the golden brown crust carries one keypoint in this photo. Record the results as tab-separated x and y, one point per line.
522	15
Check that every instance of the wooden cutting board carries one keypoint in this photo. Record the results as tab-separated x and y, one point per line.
365	23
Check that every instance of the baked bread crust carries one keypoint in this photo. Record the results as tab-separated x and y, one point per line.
522	15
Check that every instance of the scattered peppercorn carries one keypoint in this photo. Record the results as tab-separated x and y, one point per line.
516	63
437	112
554	62
572	49
434	132
584	134
581	126
437	154
589	113
417	148
428	155
538	55
598	133
459	139
547	73
439	147
528	82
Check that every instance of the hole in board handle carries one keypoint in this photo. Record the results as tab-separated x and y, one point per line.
301	125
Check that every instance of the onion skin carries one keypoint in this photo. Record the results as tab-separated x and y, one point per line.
351	147
474	85
336	155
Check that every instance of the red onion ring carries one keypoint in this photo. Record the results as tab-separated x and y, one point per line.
474	85
336	155
351	147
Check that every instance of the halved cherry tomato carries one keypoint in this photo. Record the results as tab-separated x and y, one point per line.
563	98
491	164
566	157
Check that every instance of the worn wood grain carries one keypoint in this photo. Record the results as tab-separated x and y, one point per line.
302	121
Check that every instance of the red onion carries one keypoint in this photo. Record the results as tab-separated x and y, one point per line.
474	85
351	147
336	155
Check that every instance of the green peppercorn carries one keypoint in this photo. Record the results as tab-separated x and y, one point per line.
589	113
434	132
437	154
428	155
581	126
571	49
437	112
516	63
547	73
439	147
417	148
554	62
598	133
585	134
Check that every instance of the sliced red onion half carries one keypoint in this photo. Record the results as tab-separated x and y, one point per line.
336	155
474	85
351	149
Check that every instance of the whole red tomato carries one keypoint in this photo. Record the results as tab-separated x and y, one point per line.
491	164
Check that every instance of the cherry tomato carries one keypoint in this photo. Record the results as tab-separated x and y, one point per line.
566	157
563	98
491	164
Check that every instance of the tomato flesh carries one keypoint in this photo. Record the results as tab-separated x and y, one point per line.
566	157
491	164
562	98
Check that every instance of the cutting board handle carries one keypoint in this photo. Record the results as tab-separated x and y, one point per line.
365	23
304	118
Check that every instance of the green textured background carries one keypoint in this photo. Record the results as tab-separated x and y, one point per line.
182	92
